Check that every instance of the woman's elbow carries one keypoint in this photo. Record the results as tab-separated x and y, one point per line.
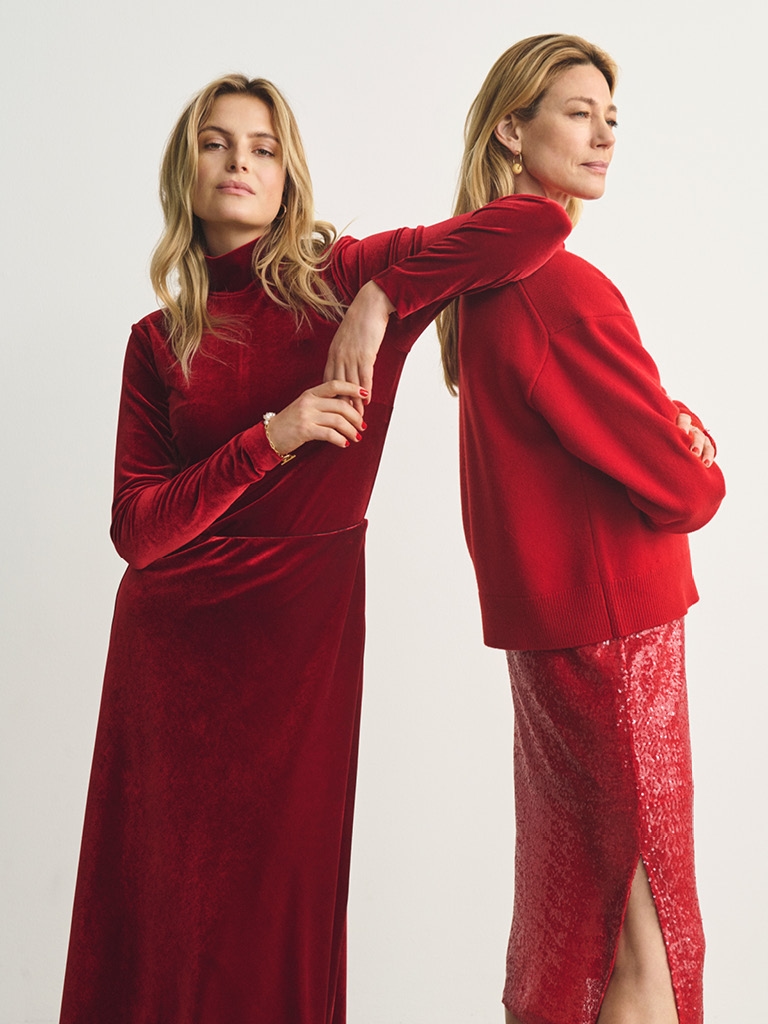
688	509
129	547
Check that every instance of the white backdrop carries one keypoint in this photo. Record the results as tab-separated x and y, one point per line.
91	90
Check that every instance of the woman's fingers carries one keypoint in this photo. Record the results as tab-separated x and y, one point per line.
323	413
347	365
697	440
349	386
362	373
700	444
336	429
341	369
355	345
684	421
338	387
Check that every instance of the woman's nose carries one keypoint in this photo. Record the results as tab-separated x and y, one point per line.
239	159
606	136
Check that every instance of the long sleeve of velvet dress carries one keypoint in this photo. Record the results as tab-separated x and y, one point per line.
213	874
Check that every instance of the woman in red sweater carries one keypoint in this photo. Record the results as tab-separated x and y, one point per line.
580	480
579	487
213	873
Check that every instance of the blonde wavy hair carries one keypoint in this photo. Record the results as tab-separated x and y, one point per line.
516	84
287	258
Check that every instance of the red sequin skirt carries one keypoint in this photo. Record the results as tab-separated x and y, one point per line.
602	781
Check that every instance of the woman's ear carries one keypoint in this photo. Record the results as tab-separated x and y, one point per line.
508	133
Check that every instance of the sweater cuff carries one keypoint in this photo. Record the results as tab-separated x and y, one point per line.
258	451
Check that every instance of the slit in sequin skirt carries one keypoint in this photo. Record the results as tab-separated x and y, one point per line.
602	780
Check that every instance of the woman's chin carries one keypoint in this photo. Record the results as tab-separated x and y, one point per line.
596	191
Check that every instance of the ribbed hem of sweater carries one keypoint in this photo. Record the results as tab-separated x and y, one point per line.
588	614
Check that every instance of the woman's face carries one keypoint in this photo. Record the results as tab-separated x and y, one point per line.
567	148
240	176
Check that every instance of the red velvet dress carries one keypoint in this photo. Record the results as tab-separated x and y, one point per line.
213	875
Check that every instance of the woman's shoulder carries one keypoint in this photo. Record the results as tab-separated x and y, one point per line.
569	265
569	287
148	341
154	321
151	329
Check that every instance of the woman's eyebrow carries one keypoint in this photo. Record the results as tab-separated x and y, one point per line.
225	131
590	102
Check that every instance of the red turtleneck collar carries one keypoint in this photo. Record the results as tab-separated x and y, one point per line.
232	271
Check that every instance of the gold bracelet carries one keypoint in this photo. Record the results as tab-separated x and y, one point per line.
283	458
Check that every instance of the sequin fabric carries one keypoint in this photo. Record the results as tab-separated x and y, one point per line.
602	780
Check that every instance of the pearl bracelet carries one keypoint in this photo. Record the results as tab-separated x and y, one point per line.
283	458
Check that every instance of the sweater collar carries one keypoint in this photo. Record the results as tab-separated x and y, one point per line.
231	272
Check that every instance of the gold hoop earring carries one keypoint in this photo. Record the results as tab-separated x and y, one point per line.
517	163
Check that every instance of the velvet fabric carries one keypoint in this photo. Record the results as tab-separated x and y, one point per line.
214	868
220	811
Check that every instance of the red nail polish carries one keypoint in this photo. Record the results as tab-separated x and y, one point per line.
346	444
696	451
363	425
358	437
363	392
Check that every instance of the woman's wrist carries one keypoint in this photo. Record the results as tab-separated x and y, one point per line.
283	456
372	300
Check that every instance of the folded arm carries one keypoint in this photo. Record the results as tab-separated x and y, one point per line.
599	389
159	506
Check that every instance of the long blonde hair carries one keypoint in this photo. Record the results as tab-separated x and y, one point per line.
516	84
286	258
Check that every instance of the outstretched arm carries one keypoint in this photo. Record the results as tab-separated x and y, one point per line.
422	270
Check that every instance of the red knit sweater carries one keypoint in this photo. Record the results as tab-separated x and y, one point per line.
577	486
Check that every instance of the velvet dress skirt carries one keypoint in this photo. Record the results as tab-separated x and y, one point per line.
213	879
602	782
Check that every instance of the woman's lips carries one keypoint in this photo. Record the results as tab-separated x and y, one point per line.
235	188
598	166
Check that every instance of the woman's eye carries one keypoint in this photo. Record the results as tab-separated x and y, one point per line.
264	152
213	145
580	113
613	124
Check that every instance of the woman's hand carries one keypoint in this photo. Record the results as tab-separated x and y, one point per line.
323	413
356	343
701	446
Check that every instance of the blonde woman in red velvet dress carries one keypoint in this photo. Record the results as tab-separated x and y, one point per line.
213	874
580	480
